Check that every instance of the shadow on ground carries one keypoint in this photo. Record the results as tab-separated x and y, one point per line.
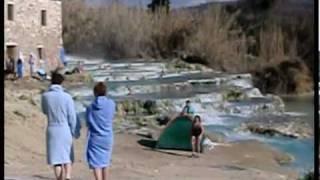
151	145
230	168
41	177
148	143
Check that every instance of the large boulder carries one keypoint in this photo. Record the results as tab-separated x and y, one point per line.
233	95
278	125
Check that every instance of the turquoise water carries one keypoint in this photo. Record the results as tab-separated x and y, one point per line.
301	149
301	105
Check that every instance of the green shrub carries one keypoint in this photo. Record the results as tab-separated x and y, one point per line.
308	176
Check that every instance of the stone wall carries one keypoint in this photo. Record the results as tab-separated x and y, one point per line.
27	33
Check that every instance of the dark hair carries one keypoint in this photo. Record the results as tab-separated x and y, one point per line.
188	101
56	78
100	89
195	117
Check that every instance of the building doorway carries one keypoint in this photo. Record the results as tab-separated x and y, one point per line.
42	57
40	53
11	51
11	54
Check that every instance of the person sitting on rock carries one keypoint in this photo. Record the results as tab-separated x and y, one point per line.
41	71
187	109
42	74
197	131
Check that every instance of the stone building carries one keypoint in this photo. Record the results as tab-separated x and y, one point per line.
33	26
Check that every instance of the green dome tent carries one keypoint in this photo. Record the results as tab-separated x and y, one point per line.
177	135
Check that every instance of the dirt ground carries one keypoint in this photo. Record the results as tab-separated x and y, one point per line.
25	153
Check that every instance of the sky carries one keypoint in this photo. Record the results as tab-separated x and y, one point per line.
174	3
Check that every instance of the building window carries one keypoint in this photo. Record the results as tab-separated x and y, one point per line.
10	12
43	17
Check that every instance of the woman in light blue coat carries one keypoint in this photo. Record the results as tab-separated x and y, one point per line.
62	122
99	118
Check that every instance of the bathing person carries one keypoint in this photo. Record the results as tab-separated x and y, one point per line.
99	118
187	109
129	90
162	73
62	121
80	67
197	131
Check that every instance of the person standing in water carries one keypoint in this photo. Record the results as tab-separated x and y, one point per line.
59	108
197	131
187	109
99	116
63	57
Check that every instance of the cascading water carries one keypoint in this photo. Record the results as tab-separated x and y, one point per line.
143	80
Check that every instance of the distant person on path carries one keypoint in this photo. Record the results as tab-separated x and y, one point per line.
99	118
62	122
63	57
21	56
31	64
10	67
187	109
197	131
20	68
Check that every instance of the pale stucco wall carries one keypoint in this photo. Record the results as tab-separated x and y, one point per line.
27	33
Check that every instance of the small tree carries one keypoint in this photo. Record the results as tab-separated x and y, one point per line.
159	4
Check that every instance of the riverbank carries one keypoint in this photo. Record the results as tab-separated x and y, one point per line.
25	150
